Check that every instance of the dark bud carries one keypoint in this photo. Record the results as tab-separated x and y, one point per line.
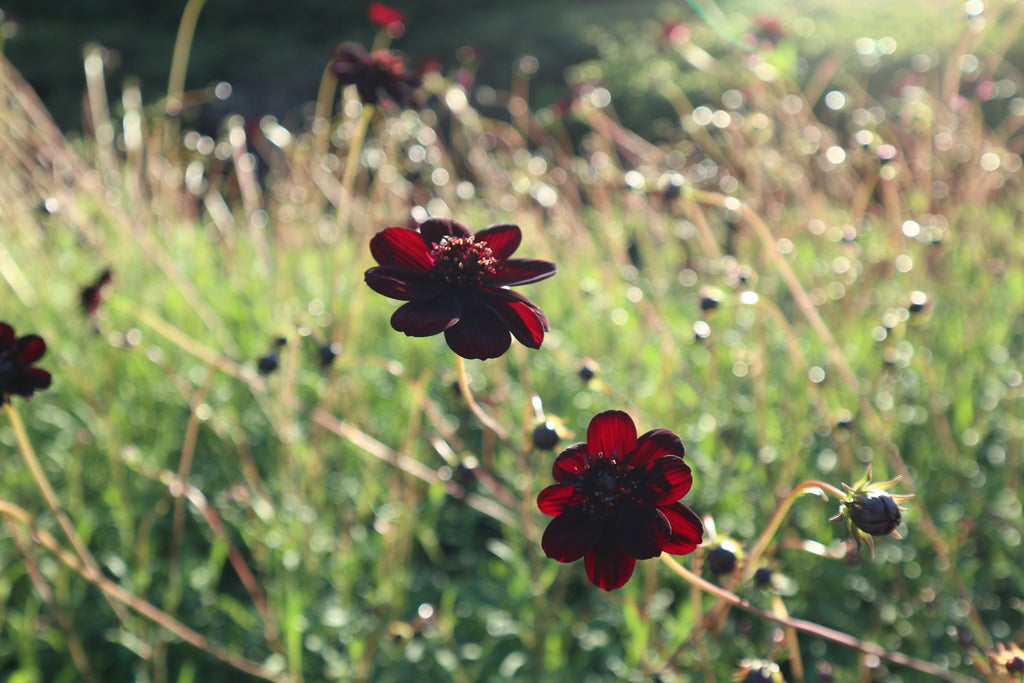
91	296
722	561
267	364
918	301
758	675
588	370
465	473
763	577
1015	666
875	513
710	298
545	436
327	353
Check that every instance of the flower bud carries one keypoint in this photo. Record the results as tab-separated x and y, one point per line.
875	512
545	436
722	559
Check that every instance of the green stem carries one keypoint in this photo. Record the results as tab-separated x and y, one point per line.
474	407
812	628
28	454
179	60
322	113
780	513
348	179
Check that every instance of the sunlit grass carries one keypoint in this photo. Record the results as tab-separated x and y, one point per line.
356	522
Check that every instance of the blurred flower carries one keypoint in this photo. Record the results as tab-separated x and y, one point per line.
17	354
379	76
617	500
91	296
1009	658
327	353
269	363
870	510
758	671
769	27
673	34
458	283
588	370
388	18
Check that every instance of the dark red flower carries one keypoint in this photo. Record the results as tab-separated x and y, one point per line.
17	354
91	296
387	17
379	76
458	283
617	500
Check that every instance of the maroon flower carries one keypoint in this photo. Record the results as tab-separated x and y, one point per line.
389	18
457	283
91	296
617	500
379	76
17	354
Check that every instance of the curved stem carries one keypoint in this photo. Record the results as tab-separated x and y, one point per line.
322	113
780	513
28	454
179	61
474	407
812	628
838	358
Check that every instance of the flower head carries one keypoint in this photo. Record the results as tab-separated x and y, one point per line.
457	282
870	510
91	296
379	76
617	500
388	18
17	354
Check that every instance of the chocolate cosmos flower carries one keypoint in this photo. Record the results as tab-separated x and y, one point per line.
17	376
617	500
379	76
457	283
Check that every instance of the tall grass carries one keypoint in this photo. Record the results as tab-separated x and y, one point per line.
804	278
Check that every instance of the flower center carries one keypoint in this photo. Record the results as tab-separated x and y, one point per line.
462	261
606	485
388	62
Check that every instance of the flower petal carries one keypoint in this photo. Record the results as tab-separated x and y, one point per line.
480	333
6	334
570	535
571	463
433	230
29	349
520	315
607	566
521	271
26	381
669	478
611	434
642	531
401	247
426	317
405	284
554	499
503	239
655	444
687	530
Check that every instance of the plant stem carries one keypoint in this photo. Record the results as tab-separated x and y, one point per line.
474	407
812	628
780	513
348	179
179	62
114	591
28	454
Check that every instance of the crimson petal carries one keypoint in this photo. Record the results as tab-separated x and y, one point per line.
30	348
426	317
503	239
687	530
554	499
612	434
480	333
570	535
655	444
405	284
433	230
521	317
571	464
401	247
669	478
6	334
607	566
521	271
642	531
